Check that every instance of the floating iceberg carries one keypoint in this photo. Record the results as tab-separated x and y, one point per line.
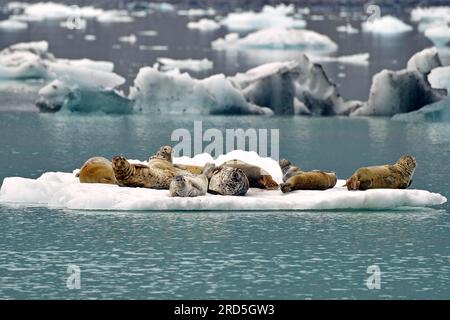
278	38
269	17
175	92
439	35
197	12
356	59
204	25
294	87
440	78
13	25
405	90
430	13
63	190
115	16
348	28
128	39
187	64
54	11
436	112
386	25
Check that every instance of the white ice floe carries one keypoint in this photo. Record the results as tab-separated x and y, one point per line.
356	59
278	39
13	25
128	39
90	37
197	12
175	92
186	64
439	35
115	16
348	28
148	33
424	61
386	25
430	13
63	190
204	25
54	11
162	6
269	17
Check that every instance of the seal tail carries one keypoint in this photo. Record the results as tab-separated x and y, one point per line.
208	168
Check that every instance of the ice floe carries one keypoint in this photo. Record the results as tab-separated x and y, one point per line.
348	28
128	39
186	64
13	25
194	12
436	112
175	92
115	16
204	25
355	59
439	35
63	190
430	13
440	78
386	25
278	38
269	17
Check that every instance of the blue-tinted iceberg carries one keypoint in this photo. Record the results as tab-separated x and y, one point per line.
436	112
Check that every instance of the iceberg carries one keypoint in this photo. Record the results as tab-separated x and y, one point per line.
132	39
13	25
197	12
269	17
355	59
115	16
439	35
56	11
404	90
175	92
204	25
386	25
436	112
64	191
294	87
278	38
186	64
440	78
430	13
348	28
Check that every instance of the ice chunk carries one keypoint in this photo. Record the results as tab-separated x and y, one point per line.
440	78
197	12
115	16
424	61
440	35
386	25
52	10
175	92
430	13
63	190
348	28
204	25
162	6
148	33
436	112
278	38
292	87
187	64
356	59
269	17
13	25
129	39
395	92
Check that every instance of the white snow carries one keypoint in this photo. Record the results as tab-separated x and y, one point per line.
269	17
278	38
439	35
63	190
204	25
13	25
386	25
186	64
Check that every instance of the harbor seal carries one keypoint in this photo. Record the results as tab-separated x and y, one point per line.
166	153
257	177
191	185
396	176
296	179
310	180
228	181
97	170
288	169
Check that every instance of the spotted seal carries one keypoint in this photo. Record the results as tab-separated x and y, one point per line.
395	176
190	185
228	181
257	177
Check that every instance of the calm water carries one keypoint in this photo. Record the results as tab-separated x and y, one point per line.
283	255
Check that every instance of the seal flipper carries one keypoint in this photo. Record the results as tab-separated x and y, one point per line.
410	183
207	169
